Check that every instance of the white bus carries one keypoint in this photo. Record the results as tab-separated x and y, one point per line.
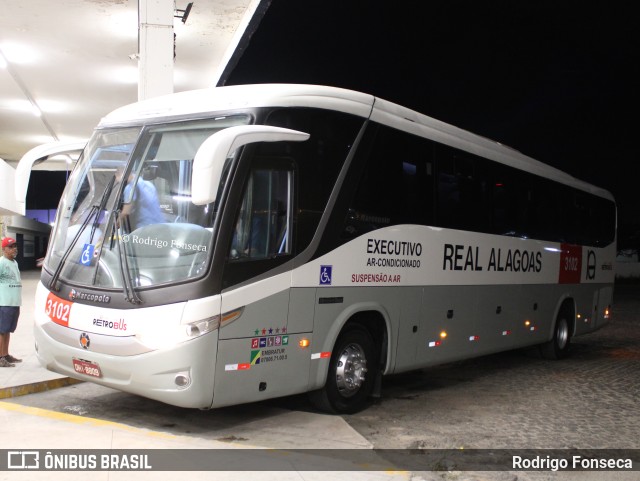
235	244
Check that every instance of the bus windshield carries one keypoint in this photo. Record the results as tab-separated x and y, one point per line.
126	218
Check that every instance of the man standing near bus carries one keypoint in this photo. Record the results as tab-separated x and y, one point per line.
10	299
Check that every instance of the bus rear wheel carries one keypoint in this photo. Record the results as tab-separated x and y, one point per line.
558	347
351	376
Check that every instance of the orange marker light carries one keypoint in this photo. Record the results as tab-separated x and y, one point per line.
304	343
443	335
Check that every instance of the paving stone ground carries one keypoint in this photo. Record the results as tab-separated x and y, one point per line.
518	400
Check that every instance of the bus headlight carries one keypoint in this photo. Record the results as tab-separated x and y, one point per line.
169	336
198	328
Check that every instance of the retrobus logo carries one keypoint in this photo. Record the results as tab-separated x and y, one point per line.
85	342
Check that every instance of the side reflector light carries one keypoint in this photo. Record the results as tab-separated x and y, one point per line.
304	343
229	317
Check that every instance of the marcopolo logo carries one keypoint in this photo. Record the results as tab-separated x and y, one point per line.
85	296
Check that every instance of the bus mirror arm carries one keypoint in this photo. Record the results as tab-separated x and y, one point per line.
210	158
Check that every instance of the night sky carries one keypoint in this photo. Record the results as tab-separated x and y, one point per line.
556	80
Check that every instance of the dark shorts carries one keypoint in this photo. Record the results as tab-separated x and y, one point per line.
9	318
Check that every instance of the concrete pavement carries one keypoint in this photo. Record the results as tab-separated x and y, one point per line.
27	376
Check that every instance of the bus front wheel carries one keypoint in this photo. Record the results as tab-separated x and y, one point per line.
558	347
351	375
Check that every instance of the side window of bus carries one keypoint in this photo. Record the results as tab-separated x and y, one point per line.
544	219
507	207
396	185
463	190
590	220
319	160
263	224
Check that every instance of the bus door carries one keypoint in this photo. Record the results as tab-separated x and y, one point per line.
258	356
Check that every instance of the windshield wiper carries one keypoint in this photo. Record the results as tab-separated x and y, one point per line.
94	211
103	201
56	274
130	293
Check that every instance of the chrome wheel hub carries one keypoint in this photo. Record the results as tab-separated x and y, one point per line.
351	370
563	333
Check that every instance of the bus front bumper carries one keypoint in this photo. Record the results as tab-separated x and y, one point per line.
181	375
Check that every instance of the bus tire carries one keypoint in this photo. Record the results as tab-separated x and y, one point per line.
351	375
558	346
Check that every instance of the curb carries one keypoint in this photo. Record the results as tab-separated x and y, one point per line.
15	391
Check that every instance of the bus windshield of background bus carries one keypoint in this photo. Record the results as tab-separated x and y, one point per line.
128	206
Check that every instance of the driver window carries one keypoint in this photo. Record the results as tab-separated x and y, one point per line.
263	226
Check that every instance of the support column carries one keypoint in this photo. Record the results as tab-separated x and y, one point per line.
155	38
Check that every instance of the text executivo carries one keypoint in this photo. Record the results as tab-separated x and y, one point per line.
401	249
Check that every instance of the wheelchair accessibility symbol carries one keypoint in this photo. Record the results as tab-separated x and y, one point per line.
325	275
87	254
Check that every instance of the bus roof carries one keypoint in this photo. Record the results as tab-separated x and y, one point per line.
199	103
222	99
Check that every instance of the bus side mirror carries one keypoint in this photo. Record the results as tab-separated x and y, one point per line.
212	154
34	156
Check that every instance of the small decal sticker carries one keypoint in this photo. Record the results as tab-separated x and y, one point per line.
255	357
269	330
237	367
570	264
87	254
58	310
320	355
325	275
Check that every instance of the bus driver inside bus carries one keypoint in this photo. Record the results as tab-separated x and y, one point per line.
143	207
